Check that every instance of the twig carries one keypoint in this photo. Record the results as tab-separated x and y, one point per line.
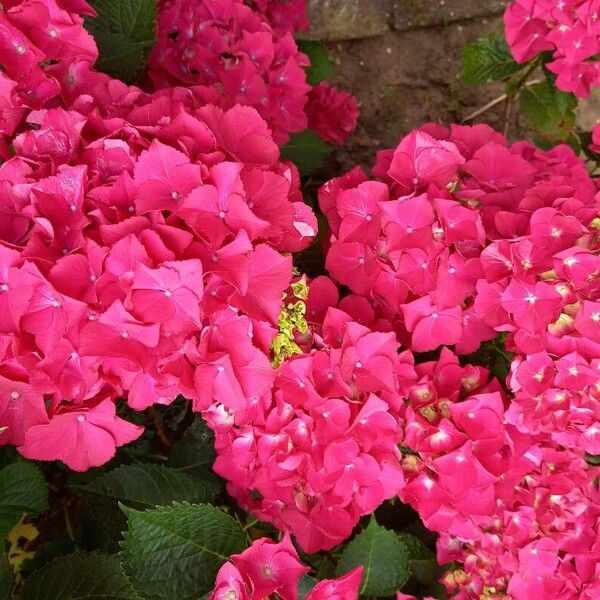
485	108
495	102
251	524
506	115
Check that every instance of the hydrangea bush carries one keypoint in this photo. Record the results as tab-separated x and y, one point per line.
186	414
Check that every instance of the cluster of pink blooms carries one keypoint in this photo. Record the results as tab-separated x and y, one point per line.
267	568
232	53
569	29
463	237
321	451
331	113
416	242
144	254
521	513
140	236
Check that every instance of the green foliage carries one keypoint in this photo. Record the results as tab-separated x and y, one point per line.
383	555
174	553
593	459
47	552
6	577
194	454
78	576
305	585
423	563
550	112
8	455
488	59
493	356
138	486
307	150
125	33
144	486
22	490
321	65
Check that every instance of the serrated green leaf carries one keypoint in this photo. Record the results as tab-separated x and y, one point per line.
80	576
146	485
125	33
321	65
139	486
383	556
6	577
488	59
22	490
307	150
549	111
174	553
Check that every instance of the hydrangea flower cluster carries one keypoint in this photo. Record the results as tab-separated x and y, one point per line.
461	235
141	235
331	113
520	512
569	29
414	243
234	53
144	254
267	568
321	448
289	15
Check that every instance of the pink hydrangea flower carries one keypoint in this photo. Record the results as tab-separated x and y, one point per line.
141	239
569	30
343	588
236	56
333	114
81	438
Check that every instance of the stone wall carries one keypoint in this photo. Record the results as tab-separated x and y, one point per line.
402	59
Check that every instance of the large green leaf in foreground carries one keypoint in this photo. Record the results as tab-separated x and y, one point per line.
174	552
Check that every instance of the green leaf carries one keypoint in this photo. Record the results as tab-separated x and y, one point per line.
46	553
80	576
8	454
549	111
423	563
384	557
321	65
592	459
488	59
22	490
146	485
174	553
139	486
6	577
195	453
305	585
417	550
307	150
125	33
